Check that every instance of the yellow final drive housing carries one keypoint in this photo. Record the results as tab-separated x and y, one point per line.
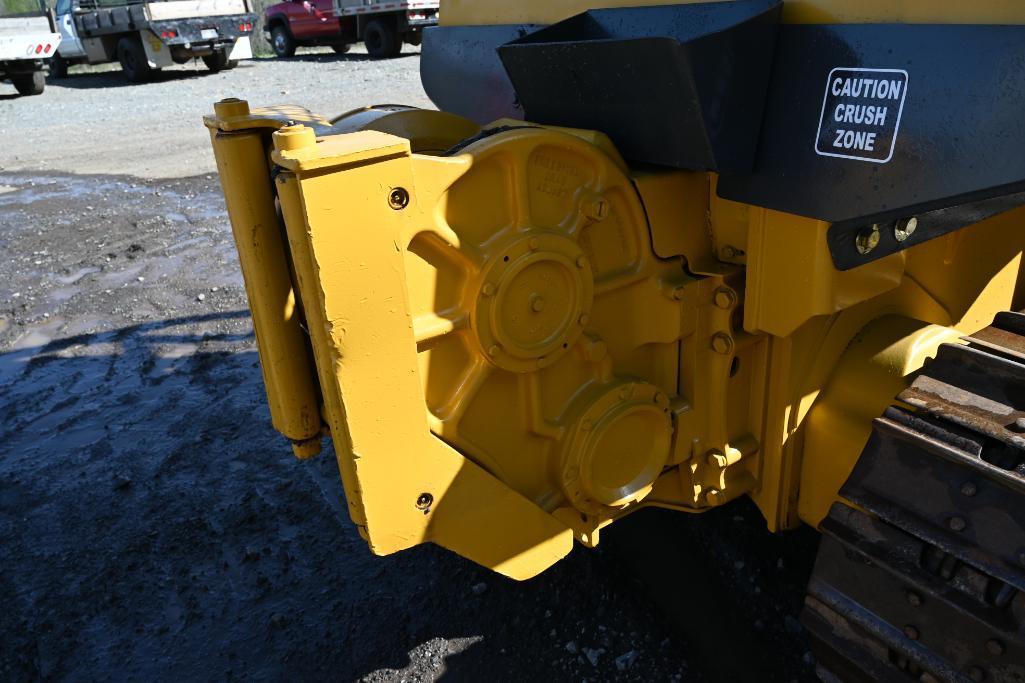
518	340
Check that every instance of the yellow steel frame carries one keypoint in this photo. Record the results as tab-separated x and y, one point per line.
514	345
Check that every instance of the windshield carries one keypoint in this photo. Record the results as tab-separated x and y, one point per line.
20	8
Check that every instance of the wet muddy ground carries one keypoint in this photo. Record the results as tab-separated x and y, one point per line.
154	527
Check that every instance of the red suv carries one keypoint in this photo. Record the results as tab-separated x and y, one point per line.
383	27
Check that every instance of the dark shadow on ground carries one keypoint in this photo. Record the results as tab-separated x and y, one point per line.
323	57
116	78
154	527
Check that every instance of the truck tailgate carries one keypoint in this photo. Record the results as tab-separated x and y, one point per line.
185	9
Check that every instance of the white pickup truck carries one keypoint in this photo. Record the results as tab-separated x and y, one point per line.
27	42
147	36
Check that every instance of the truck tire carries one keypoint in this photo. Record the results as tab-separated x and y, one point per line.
58	67
381	39
29	84
340	48
133	60
219	61
282	42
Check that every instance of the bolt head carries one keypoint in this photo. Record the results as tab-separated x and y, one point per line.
581	261
398	198
867	239
488	289
724	298
583	319
911	632
914	599
714	497
722	343
969	489
994	647
976	674
904	228
494	350
957	524
533	243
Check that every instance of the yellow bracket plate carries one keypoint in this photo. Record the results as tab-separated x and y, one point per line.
347	233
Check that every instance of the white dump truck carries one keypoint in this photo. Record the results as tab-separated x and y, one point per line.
147	36
27	41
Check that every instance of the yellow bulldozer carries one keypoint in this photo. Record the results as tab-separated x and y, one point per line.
673	255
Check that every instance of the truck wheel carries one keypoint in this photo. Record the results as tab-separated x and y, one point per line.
29	84
58	67
133	60
219	61
381	39
340	48
282	41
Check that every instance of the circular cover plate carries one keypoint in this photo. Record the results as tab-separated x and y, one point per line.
533	300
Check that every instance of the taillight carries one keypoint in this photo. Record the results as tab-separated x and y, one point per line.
168	34
245	26
47	48
39	48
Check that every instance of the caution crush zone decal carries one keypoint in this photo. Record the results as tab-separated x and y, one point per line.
861	112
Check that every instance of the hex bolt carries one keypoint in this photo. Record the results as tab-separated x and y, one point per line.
533	243
957	524
969	489
537	302
905	228
911	632
398	198
678	292
722	343
488	289
976	674
494	350
424	501
724	297
583	319
914	599
581	261
867	239
994	647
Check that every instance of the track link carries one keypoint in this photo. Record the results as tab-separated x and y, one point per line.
925	579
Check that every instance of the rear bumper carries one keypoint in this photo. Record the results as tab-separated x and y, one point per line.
13	67
202	34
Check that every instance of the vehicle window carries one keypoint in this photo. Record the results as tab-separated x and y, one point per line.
63	6
14	8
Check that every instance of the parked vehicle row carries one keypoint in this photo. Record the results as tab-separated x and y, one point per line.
145	36
383	27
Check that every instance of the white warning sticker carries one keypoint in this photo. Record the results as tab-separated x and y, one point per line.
861	113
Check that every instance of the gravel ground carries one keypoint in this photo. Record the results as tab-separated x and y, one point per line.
95	121
155	527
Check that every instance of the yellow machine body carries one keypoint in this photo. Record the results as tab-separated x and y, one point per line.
515	342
